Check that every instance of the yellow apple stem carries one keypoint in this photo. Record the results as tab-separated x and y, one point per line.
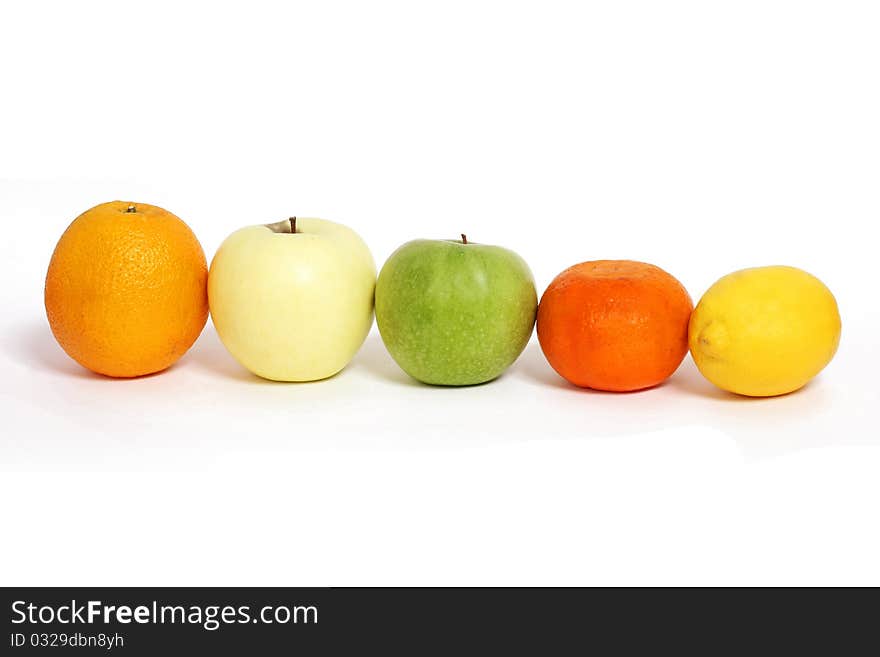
285	227
463	238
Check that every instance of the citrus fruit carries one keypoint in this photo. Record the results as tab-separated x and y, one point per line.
616	325
126	291
764	331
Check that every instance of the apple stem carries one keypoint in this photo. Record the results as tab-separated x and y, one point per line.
292	221
463	238
131	209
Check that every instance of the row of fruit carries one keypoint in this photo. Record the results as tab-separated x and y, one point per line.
128	291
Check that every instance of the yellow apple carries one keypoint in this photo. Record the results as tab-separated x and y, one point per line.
293	301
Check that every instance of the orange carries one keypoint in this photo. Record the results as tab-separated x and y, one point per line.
615	325
126	291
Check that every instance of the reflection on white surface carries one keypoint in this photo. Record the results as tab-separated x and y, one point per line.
207	407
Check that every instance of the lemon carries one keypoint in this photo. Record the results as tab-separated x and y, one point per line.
764	331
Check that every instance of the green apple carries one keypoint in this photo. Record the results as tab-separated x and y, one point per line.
293	301
455	313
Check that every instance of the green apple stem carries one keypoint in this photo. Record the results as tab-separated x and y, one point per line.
463	238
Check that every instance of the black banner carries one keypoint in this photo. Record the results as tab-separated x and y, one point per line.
270	621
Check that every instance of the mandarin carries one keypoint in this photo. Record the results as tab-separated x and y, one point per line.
615	325
126	291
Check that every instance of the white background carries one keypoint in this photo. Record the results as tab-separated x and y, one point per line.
701	136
